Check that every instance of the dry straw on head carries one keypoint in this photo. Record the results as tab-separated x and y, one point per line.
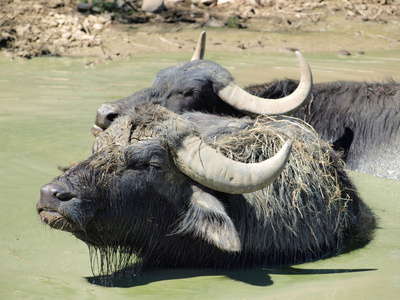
310	182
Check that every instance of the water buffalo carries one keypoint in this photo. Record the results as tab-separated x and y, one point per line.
360	119
198	191
201	85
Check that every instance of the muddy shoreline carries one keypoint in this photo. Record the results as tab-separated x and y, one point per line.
38	28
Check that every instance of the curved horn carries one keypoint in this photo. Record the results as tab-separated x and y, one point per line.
203	164
200	48
250	104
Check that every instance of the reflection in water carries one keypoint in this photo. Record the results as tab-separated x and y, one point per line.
46	122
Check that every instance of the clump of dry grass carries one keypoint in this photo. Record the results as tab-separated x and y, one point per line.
311	187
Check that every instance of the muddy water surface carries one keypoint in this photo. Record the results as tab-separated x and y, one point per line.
47	106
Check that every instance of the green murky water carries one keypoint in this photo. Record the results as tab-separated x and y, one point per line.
47	106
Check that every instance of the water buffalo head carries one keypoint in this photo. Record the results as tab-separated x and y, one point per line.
153	178
201	85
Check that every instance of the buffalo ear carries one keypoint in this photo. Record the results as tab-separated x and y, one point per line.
206	218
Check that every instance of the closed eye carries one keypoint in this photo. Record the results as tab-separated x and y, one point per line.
144	165
188	93
145	155
155	164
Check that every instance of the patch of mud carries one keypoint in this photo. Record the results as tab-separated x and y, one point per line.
118	29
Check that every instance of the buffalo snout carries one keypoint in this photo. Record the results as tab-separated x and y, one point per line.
56	206
56	191
106	114
52	195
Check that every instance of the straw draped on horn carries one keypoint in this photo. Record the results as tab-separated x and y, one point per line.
203	164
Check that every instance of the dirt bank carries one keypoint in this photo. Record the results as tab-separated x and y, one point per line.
56	27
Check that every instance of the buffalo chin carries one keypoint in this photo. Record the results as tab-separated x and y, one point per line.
56	220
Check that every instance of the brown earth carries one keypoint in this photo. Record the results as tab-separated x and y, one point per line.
56	27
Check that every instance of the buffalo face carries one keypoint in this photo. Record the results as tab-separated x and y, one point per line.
185	87
141	205
102	199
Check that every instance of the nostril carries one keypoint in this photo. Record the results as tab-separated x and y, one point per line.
112	116
64	196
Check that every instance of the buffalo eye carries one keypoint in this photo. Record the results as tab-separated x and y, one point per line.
144	155
188	93
155	163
